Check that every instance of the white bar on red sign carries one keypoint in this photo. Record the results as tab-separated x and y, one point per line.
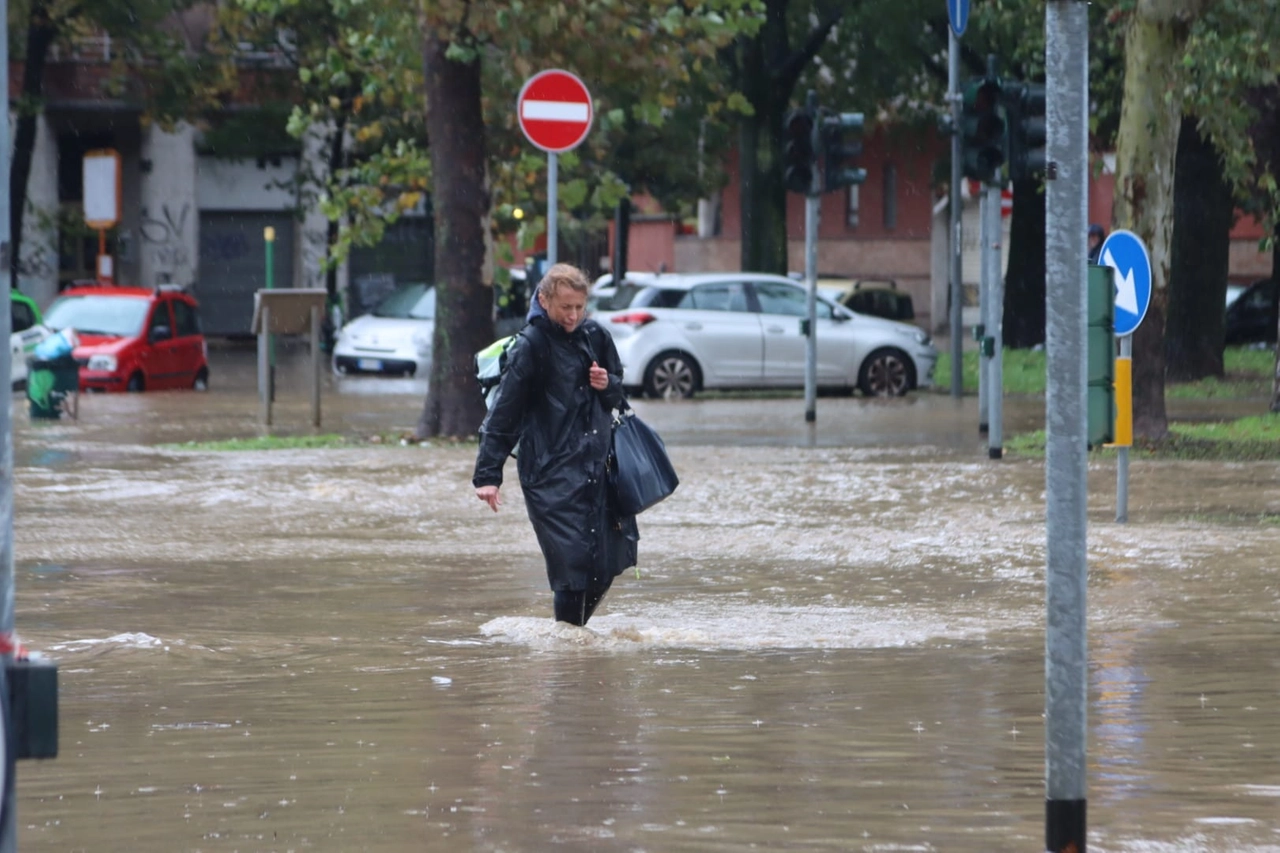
554	111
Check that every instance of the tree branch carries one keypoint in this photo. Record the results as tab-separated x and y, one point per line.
788	73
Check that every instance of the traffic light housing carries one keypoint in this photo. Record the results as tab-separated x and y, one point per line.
1101	357
1024	103
982	128
798	160
839	155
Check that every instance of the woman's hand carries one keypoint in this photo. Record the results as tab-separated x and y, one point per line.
489	494
598	377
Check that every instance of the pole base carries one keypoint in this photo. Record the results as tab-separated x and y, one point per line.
995	452
1064	826
810	417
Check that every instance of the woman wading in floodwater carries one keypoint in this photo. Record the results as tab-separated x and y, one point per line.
562	381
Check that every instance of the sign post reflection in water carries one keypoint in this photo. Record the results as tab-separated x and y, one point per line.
1066	422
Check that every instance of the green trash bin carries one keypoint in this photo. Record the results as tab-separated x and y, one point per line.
49	383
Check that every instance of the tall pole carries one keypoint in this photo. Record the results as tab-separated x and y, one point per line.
269	239
811	201
553	206
991	257
8	800
984	313
1066	420
955	231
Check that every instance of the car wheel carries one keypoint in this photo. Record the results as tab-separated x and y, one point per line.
136	383
886	373
202	380
671	375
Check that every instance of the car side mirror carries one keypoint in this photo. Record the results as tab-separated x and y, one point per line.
160	333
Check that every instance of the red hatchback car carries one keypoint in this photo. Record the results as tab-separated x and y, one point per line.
133	338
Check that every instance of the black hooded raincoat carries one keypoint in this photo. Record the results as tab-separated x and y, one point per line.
564	429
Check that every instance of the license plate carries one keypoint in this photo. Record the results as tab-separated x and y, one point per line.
369	364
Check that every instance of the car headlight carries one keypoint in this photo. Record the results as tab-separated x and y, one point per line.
422	343
918	335
102	363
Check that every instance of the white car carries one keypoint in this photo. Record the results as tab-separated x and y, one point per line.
395	338
678	334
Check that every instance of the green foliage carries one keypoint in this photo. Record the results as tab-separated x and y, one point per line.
168	72
256	131
1248	375
1251	439
357	93
1232	58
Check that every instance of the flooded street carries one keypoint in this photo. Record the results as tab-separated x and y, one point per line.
835	641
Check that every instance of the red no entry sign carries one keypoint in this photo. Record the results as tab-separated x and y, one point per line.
555	111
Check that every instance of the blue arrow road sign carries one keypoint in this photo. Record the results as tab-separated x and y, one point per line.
958	13
1130	265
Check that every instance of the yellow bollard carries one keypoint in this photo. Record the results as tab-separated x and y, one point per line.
1124	402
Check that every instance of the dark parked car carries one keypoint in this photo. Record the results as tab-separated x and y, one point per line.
1252	317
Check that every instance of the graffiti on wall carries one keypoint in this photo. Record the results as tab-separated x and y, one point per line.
167	244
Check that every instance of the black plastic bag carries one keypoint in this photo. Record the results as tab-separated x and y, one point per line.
641	474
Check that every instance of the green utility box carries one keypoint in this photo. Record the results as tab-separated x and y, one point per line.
1101	357
50	383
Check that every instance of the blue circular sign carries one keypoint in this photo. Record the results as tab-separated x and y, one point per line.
1130	264
958	14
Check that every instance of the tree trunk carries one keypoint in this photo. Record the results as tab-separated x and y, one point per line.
1275	276
1024	277
40	35
332	231
460	196
1202	215
1145	148
763	197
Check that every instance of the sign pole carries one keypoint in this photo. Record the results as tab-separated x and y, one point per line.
984	311
269	238
811	210
1066	420
553	209
995	302
8	798
956	230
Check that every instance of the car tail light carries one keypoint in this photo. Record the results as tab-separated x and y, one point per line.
633	318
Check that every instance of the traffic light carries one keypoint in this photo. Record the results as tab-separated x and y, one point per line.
798	163
838	155
982	127
1024	103
1101	357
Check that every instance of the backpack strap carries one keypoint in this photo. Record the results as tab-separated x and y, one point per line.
540	345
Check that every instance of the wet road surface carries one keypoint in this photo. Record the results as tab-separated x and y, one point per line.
835	642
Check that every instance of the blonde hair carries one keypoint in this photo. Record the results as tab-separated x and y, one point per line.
563	274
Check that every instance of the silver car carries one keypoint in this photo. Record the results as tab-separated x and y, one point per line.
678	334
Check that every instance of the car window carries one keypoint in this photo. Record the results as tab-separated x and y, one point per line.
722	296
160	318
185	318
620	298
99	315
1262	297
778	298
410	302
22	315
663	298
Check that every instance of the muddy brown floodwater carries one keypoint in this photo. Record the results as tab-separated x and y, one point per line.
835	641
